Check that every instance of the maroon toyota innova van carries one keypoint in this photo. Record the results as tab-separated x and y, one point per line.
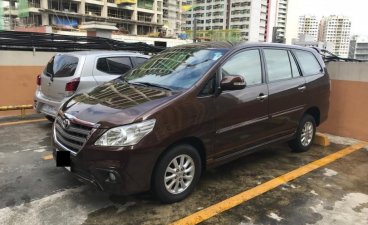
191	107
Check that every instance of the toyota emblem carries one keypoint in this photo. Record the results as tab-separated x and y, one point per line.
66	124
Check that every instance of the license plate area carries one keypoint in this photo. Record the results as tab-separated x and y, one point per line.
63	159
48	109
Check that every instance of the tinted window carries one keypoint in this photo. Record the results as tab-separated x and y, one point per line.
61	66
246	64
140	61
294	67
176	68
278	64
308	63
114	65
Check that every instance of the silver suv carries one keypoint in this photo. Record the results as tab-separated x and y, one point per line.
74	72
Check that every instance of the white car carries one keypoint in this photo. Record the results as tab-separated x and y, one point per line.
74	72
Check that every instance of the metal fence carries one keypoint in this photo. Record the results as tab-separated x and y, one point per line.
13	40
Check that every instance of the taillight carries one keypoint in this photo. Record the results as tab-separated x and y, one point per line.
39	80
72	85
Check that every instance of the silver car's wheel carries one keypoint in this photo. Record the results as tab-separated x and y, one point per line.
179	174
307	134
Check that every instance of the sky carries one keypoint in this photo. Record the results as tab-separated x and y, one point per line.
356	10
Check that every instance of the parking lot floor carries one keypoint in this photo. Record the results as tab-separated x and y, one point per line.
34	191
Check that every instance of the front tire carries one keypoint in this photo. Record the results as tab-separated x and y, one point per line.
304	135
177	173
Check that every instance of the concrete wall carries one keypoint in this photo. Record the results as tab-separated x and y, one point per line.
348	115
18	72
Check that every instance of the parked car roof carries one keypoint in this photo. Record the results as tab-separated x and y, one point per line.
101	52
232	45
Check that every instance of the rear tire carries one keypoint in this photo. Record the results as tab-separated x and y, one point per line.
305	134
50	118
176	174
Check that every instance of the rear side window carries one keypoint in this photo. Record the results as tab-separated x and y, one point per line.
294	67
278	64
308	63
246	64
61	66
140	60
114	65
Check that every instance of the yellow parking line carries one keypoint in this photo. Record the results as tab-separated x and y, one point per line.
22	122
269	185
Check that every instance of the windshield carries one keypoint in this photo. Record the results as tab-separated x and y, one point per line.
176	68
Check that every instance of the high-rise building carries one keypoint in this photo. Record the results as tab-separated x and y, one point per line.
308	25
247	16
137	17
277	18
336	29
172	16
359	48
281	18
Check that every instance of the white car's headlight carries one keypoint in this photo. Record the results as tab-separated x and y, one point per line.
126	135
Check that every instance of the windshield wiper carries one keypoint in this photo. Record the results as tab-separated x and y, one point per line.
151	85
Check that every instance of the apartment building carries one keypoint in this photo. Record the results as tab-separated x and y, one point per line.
359	48
276	23
137	17
281	18
247	16
172	16
336	29
308	25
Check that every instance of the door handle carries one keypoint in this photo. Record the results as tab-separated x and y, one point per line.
262	97
302	88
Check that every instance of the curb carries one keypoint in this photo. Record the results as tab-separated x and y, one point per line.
321	140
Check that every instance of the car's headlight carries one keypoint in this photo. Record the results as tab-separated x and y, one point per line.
126	135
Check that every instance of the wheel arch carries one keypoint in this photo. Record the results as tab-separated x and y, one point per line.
316	113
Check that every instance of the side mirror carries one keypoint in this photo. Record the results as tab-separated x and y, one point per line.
233	82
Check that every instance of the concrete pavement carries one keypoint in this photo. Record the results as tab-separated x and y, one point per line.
34	191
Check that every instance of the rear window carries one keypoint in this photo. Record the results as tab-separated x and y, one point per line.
114	65
61	66
308	63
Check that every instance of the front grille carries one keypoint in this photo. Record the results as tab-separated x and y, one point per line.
72	137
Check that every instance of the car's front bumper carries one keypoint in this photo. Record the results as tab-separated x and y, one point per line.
132	169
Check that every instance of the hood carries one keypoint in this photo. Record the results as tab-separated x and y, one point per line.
116	103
